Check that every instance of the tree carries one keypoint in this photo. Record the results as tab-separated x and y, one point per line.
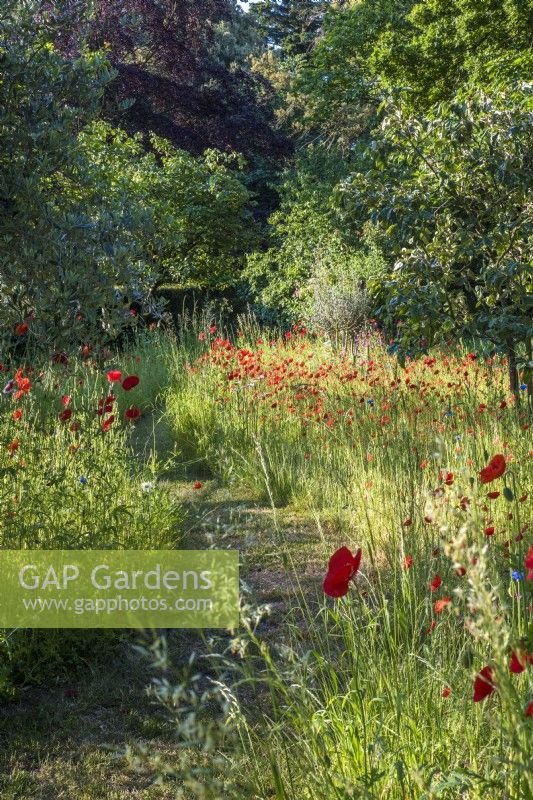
89	217
177	76
184	218
441	45
46	245
450	193
290	25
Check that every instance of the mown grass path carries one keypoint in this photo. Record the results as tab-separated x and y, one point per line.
62	741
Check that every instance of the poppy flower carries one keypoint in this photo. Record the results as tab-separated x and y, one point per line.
408	562
17	414
529	710
528	563
435	583
14	445
489	531
198	485
130	382
65	400
407	522
494	470
446	692
440	605
493	495
342	567
21	329
114	375
483	684
132	413
65	415
106	424
519	661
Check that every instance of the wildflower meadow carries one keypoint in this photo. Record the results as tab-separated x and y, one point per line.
266	400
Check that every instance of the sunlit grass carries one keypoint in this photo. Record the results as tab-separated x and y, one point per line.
351	690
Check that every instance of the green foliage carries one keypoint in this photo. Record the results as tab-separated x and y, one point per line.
449	193
91	219
336	85
309	241
442	45
291	25
186	218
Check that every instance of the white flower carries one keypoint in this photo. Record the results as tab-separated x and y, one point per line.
147	486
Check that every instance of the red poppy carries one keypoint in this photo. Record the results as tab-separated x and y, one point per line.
446	692
114	375
483	684
435	583
407	522
494	470
493	495
21	329
408	562
65	415
460	571
17	414
529	710
65	400
132	413
342	567
440	605
489	531
130	382
106	424
198	485
13	446
519	661
528	563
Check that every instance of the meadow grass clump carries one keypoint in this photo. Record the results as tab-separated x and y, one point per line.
70	479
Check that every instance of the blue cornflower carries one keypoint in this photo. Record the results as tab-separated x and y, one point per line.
449	413
523	386
516	575
370	402
83	480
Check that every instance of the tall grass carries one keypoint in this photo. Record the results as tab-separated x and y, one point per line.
346	700
68	483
